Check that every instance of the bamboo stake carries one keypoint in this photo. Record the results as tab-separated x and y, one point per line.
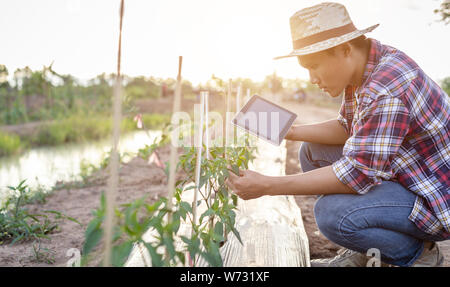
229	96
208	187
173	151
173	148
227	119
238	99
114	164
198	161
205	95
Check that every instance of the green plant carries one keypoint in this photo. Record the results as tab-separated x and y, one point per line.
42	254
218	220
209	230
87	168
9	144
16	223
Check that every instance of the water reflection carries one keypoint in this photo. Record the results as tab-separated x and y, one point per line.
47	165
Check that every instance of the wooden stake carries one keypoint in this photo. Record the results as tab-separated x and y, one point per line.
229	96
114	163
173	151
205	95
173	147
227	119
199	158
238	99
208	187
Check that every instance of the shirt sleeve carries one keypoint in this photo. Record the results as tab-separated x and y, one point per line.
378	135
342	116
343	122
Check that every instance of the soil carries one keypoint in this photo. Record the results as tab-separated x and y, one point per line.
137	179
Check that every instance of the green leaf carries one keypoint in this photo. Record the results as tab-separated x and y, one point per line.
190	187
215	205
120	253
175	222
236	233
93	225
235	169
235	199
168	242
218	230
186	206
92	240
181	256
156	258
185	239
208	212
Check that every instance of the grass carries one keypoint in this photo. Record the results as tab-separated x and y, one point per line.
18	224
150	121
73	129
9	144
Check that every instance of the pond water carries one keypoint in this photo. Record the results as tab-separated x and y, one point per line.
45	166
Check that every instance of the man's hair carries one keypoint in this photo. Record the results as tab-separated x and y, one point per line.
358	43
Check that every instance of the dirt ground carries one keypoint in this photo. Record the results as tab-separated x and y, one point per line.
137	179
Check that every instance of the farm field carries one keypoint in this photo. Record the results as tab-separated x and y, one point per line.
139	178
163	137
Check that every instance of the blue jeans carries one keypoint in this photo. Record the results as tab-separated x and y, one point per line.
377	219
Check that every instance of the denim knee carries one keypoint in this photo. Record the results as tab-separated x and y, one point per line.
314	155
326	217
304	157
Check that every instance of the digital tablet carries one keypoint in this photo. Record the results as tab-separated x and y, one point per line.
265	119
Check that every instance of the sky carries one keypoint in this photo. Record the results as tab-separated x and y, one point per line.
228	38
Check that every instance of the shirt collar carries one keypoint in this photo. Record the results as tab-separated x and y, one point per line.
372	61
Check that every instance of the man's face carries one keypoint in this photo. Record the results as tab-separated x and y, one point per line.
331	72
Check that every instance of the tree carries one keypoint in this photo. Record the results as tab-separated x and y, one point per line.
3	76
446	85
444	11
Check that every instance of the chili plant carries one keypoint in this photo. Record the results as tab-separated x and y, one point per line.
218	220
210	230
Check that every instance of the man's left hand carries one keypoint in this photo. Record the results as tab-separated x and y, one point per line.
249	184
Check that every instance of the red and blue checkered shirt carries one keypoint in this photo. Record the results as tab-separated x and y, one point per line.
399	126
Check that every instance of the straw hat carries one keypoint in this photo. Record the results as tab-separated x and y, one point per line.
321	27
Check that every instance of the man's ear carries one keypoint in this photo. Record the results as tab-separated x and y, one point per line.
346	49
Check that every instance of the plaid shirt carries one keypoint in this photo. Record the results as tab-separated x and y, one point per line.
399	126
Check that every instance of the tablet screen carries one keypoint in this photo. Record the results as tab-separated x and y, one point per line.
265	119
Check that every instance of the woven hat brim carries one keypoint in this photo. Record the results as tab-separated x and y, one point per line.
329	43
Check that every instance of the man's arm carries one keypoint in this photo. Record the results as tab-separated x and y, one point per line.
250	184
328	132
315	182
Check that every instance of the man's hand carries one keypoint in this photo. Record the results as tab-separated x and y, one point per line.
248	185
